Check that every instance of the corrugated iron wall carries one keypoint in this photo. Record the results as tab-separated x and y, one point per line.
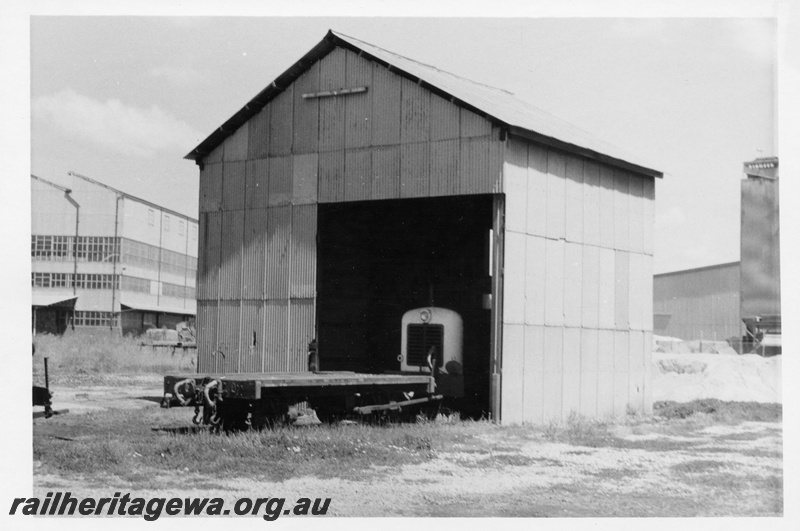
258	259
398	140
577	301
699	303
259	190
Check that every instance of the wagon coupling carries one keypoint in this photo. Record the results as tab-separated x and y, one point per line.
393	406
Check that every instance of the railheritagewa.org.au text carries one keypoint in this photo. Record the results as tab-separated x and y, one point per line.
64	504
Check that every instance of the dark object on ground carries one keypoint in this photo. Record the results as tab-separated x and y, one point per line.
42	395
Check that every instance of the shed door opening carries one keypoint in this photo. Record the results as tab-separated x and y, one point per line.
378	259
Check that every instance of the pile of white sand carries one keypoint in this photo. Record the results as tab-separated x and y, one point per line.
683	377
677	345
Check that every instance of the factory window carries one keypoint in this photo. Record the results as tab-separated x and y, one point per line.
180	228
151	217
62	247
140	254
83	318
194	232
40	280
57	248
166	223
172	262
176	290
41	247
64	280
61	280
97	249
150	257
141	285
94	281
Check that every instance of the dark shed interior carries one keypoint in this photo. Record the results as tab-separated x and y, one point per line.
379	259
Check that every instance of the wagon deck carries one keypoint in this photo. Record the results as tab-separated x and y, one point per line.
255	385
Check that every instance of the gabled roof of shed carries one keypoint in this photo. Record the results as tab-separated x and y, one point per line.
498	106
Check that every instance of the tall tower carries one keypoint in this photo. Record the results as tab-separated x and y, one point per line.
760	294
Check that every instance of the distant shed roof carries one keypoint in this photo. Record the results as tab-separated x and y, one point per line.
112	189
497	105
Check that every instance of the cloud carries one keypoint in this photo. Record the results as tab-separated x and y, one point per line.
115	125
176	75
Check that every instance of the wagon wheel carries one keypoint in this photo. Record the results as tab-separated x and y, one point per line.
268	415
331	410
431	410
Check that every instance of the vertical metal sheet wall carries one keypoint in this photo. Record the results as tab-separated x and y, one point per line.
259	190
397	139
699	303
577	300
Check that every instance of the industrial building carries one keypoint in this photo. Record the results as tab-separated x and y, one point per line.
698	304
103	259
361	184
761	254
738	302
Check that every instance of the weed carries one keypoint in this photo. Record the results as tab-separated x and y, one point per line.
749	452
94	357
745	436
577	430
697	466
500	460
720	411
580	431
615	473
770	486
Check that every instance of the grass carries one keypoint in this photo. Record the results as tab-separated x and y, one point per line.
749	452
591	433
682	420
578	430
151	448
120	444
698	466
720	412
95	357
616	473
713	478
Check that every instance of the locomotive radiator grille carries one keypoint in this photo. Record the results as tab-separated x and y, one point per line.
424	339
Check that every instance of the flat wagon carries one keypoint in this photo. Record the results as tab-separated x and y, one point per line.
429	371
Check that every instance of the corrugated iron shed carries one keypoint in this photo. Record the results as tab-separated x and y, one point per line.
499	106
327	217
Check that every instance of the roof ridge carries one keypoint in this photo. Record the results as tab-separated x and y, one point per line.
426	65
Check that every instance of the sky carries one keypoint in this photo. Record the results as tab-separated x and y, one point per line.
124	99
